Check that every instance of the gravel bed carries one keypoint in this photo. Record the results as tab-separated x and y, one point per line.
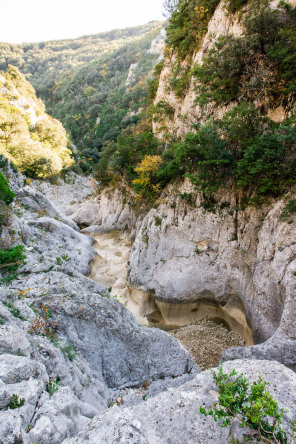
205	341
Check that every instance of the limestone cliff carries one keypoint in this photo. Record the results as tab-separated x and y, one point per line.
225	261
186	111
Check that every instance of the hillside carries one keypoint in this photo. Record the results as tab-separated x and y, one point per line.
44	62
33	141
83	82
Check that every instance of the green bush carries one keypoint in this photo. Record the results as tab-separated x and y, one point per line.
235	5
288	210
251	404
270	162
16	403
10	260
252	151
261	65
6	195
120	159
188	25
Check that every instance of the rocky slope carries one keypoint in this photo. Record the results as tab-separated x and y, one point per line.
233	265
173	416
100	354
186	111
66	348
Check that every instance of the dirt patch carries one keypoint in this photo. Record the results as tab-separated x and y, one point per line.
206	341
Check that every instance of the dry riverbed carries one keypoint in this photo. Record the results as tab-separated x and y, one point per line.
205	340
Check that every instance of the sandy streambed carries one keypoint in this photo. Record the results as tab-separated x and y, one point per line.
109	267
204	339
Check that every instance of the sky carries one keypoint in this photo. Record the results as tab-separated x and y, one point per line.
41	20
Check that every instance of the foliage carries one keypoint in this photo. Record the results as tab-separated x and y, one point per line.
16	403
146	186
69	351
257	66
188	24
10	260
6	195
288	210
53	385
83	84
180	79
113	105
154	81
45	62
252	404
44	324
252	151
120	159
270	162
235	5
34	142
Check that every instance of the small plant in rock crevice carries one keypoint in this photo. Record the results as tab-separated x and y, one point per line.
44	325
288	210
10	260
53	385
16	403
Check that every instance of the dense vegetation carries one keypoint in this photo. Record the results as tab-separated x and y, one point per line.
95	104
245	147
11	257
259	66
32	140
188	24
83	82
262	162
45	62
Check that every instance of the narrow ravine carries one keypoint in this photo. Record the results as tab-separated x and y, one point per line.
204	339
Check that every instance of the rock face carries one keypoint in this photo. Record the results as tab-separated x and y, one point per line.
66	348
106	212
234	265
173	416
186	111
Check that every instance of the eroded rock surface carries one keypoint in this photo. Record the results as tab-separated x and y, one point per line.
66	348
173	417
231	264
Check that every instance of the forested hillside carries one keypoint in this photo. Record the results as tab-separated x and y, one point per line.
83	82
46	61
33	141
233	90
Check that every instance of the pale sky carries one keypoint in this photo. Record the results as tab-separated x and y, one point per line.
41	20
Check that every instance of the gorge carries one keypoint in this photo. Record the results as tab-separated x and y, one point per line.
155	241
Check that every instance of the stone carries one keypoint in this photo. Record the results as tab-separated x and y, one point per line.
173	416
91	342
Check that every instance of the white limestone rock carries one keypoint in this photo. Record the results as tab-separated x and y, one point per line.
173	417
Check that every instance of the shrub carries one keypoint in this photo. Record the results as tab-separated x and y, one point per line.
188	25
252	404
53	385
288	210
257	66
146	186
270	162
16	403
10	260
235	5
6	195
